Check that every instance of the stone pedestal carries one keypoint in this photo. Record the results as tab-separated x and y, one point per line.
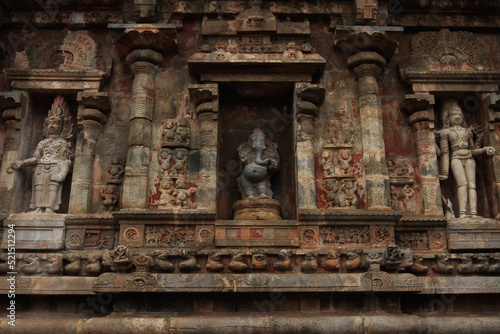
36	231
257	209
473	234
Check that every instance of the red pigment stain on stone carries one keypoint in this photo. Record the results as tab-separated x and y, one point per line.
154	197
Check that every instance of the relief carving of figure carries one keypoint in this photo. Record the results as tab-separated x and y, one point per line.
460	141
183	132
331	189
180	161
327	162
345	159
260	159
350	187
52	158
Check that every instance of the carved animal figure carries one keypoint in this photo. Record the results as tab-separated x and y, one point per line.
32	266
310	263
483	264
495	267
213	262
93	265
284	263
74	266
190	263
161	262
333	262
442	266
55	266
418	267
259	261
353	260
4	267
237	264
465	268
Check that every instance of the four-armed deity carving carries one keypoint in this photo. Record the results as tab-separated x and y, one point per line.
459	140
260	159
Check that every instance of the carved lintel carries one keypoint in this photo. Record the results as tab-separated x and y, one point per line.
309	98
205	98
355	39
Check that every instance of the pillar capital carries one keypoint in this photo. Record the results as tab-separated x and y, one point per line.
308	98
371	40
205	98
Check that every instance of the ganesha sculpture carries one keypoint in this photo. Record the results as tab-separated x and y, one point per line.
260	160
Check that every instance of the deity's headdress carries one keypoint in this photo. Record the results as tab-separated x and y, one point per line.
60	110
447	106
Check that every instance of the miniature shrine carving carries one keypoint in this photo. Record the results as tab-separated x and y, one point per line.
52	158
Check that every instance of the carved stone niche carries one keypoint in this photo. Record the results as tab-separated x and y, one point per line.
442	66
243	109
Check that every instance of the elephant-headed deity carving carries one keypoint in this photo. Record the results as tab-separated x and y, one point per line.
260	160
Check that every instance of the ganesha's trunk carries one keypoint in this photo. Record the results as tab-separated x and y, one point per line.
258	156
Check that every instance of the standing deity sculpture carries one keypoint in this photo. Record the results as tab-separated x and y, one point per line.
459	140
52	158
260	160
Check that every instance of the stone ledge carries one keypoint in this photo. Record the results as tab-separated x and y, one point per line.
349	215
39	285
195	283
473	234
256	323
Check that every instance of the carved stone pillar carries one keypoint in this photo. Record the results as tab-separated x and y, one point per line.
13	105
144	64
90	118
367	66
206	101
307	98
421	110
492	107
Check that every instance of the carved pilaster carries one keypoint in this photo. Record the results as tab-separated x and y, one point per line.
368	49
491	104
206	101
421	110
90	117
307	99
144	64
13	105
367	66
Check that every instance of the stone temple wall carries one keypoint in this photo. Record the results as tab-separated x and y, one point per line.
249	166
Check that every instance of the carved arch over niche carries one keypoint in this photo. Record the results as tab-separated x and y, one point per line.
447	64
59	60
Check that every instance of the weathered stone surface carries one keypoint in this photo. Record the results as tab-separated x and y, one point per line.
473	234
36	231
